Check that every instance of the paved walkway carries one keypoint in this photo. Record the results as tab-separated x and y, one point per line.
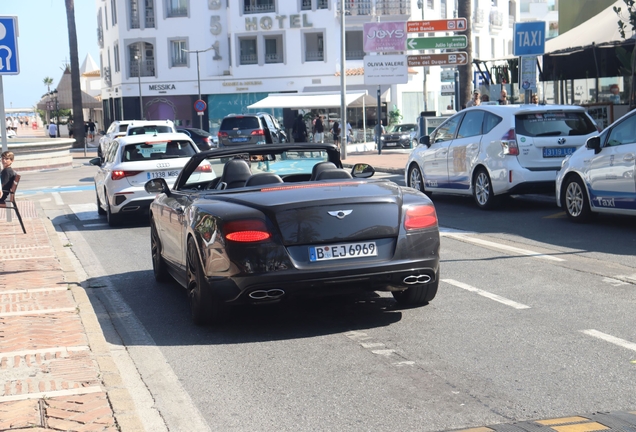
55	364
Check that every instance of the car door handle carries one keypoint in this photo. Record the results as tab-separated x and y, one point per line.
628	157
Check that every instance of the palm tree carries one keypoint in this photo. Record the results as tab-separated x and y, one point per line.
464	7
76	89
47	82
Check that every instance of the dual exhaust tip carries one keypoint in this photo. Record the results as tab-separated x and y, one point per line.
272	294
417	279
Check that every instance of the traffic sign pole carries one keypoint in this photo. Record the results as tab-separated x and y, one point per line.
3	121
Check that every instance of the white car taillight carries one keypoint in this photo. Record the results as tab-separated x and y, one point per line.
509	143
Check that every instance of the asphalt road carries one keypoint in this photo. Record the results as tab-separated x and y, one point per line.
534	318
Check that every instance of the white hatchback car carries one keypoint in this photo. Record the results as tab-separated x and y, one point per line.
130	161
601	177
497	150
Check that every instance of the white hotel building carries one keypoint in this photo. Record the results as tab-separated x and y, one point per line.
258	47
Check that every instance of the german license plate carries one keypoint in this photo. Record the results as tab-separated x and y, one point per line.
557	151
162	174
342	251
390	144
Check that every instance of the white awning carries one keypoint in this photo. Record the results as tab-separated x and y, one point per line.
312	100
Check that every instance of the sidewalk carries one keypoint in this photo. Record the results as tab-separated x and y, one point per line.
55	364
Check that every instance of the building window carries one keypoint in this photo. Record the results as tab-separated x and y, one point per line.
354	45
274	49
141	59
106	17
100	29
323	4
358	7
177	8
178	55
116	56
305	5
258	6
442	9
113	11
134	14
150	14
248	55
314	47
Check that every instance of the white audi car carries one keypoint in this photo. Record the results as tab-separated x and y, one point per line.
491	151
130	161
601	177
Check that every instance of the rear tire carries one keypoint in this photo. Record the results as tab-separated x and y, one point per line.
482	190
204	308
576	203
100	210
417	295
416	180
159	267
113	219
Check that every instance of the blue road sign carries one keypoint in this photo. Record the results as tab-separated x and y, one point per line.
529	38
9	64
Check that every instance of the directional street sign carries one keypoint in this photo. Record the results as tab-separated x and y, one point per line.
9	64
446	59
442	42
457	24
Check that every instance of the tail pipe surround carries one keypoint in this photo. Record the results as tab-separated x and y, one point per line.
272	294
417	279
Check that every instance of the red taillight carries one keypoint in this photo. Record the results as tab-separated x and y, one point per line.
207	140
204	168
222	134
509	143
259	132
246	231
118	174
420	217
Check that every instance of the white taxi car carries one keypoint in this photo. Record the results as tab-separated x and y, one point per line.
601	177
492	151
130	161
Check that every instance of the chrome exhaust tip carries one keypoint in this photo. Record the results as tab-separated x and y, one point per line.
417	279
272	294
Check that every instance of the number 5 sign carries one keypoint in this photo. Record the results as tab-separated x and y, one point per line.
9	64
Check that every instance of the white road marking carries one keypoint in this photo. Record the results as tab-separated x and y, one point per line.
614	282
52	394
454	231
356	335
58	198
404	363
86	211
481	242
45	200
386	352
372	345
486	294
611	339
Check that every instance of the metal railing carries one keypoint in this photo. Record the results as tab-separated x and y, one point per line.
177	11
147	68
354	55
314	56
273	58
250	9
249	59
107	76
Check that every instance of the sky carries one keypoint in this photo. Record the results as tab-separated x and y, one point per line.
43	47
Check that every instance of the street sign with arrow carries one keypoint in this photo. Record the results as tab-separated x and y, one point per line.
442	42
445	59
456	24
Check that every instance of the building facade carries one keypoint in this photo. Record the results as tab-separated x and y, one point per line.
158	56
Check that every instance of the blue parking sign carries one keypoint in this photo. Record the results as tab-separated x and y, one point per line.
9	64
529	38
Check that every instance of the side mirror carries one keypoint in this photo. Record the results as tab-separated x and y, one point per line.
157	186
594	143
426	140
361	170
96	161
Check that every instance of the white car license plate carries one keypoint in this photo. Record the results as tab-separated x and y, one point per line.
162	174
342	251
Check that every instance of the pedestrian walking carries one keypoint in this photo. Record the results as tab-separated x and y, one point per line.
335	131
299	131
91	130
52	129
319	134
7	176
70	125
475	101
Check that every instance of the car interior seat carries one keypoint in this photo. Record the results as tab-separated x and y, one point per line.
320	167
331	174
235	174
262	179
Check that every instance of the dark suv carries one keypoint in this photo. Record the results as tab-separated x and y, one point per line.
241	129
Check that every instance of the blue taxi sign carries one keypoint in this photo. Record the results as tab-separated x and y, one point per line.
529	38
9	64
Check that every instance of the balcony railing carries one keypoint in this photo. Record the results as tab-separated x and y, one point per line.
479	18
358	7
107	77
354	55
150	19
249	59
314	56
251	9
323	4
177	12
496	20
273	58
393	7
147	68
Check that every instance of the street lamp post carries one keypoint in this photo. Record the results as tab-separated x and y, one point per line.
198	77
422	5
141	103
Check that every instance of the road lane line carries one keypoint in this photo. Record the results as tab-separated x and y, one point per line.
611	339
58	198
478	241
85	212
486	294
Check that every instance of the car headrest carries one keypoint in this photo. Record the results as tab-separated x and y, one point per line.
235	173
262	179
319	167
334	174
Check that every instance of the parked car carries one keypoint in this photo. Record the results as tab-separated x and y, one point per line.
400	135
497	150
243	129
601	177
203	139
129	162
116	129
286	220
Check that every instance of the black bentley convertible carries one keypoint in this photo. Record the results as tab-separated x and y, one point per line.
257	224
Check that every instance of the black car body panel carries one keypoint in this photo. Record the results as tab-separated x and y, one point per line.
298	216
